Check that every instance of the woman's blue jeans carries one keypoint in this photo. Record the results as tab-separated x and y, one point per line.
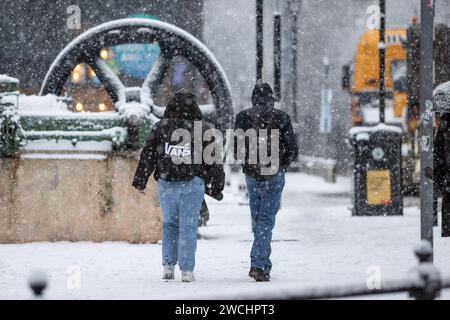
180	203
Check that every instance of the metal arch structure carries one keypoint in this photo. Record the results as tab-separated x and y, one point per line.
173	42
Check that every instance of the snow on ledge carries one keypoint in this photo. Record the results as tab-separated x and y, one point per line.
52	106
67	145
6	78
105	133
42	105
63	156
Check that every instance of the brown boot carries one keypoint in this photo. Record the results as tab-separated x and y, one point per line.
258	275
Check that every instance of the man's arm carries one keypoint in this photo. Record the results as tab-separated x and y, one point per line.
238	124
289	143
147	162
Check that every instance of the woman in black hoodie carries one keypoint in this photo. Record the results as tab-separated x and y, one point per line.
181	181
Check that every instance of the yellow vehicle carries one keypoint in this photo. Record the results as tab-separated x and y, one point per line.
361	79
365	85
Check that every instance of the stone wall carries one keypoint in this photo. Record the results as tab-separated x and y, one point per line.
60	199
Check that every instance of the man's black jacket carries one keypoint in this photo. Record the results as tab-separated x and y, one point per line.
263	115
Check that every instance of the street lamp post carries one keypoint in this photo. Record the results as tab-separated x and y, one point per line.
426	119
294	7
277	52
325	107
382	49
259	40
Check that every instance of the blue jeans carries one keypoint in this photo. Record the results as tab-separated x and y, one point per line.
180	203
265	198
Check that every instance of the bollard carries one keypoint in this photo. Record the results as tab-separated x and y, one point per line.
38	283
428	282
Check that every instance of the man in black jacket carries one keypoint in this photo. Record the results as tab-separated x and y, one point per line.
265	181
182	180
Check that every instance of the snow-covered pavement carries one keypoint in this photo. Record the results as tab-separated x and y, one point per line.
316	242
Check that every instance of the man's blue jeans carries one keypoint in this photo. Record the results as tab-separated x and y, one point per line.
265	198
180	203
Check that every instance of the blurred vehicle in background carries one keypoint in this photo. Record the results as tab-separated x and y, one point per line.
361	80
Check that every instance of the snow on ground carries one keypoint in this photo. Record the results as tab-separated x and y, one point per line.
316	242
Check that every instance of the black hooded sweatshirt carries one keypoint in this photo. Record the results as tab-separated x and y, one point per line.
263	115
181	112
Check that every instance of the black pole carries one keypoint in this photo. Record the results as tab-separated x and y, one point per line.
294	8
382	48
259	40
277	55
426	123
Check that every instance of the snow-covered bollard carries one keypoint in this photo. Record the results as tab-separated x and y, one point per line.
426	277
423	251
38	282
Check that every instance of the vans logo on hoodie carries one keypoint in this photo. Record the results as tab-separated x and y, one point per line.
177	150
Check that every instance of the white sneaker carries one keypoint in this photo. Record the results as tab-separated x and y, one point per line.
169	272
187	276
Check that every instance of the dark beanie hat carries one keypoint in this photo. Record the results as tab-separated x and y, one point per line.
262	93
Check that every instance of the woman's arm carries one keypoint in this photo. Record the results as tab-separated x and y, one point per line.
147	161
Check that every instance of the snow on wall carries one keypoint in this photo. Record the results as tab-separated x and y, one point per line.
52	106
42	105
68	140
63	156
6	78
67	145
